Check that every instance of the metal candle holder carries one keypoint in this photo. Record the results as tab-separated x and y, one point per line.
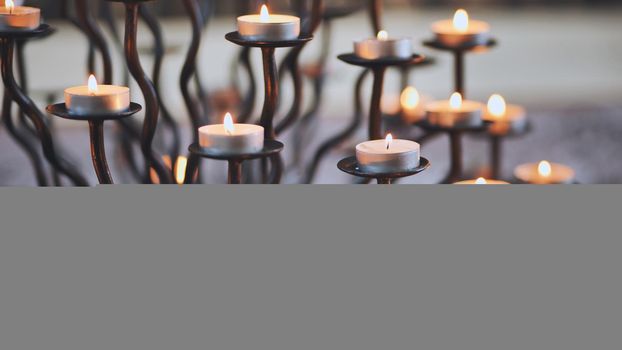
496	148
268	49
96	133
455	139
8	39
235	160
455	134
351	166
152	106
379	68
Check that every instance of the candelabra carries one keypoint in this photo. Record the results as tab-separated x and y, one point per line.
351	166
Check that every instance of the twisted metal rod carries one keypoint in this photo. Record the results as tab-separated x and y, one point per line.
159	51
152	110
36	116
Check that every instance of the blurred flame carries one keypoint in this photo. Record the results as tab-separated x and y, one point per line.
497	106
180	169
545	169
410	98
455	102
93	87
265	14
383	35
229	126
481	181
9	4
461	20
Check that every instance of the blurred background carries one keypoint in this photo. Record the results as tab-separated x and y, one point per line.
560	59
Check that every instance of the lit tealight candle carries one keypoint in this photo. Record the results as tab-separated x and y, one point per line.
19	17
455	112
461	30
389	155
97	99
505	118
383	46
268	27
545	173
230	138
481	181
413	105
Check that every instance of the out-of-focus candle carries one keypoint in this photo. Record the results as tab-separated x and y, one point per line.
230	138
97	99
19	17
413	105
383	46
505	118
545	173
269	27
455	112
461	30
389	155
482	181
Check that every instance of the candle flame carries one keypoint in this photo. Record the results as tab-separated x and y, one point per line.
410	98
481	181
265	14
180	169
9	4
93	87
455	102
383	35
389	141
545	169
497	106
461	20
229	126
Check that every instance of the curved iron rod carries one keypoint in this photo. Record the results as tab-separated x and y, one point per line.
235	172
107	16
98	152
375	13
341	137
35	115
159	51
375	112
23	82
192	168
23	141
248	104
88	25
189	67
292	63
269	108
150	95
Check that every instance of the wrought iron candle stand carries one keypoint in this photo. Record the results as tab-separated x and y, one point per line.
456	134
379	68
268	49
8	39
96	133
235	160
152	106
351	166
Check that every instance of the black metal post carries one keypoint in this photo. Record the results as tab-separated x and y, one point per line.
98	152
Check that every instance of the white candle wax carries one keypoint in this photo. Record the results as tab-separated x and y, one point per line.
269	27
229	138
401	155
384	47
545	173
455	112
505	118
19	17
461	30
97	99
